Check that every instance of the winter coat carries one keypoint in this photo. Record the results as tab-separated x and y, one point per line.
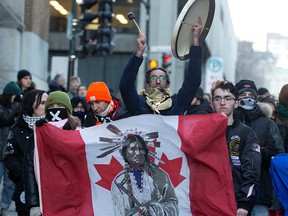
20	136
7	119
245	160
271	144
136	104
119	112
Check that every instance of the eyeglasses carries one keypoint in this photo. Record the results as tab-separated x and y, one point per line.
227	99
161	78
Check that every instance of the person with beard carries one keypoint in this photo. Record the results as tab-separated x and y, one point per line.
157	97
20	136
243	147
80	108
270	141
103	108
199	104
58	110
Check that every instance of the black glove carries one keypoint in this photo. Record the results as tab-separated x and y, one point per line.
40	122
18	98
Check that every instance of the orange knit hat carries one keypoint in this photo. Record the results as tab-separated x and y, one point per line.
98	91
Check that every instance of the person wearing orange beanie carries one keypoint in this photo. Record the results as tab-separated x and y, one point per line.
103	108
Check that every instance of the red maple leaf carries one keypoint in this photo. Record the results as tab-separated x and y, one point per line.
108	172
173	168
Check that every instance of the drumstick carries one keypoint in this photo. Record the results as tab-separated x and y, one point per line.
131	16
192	25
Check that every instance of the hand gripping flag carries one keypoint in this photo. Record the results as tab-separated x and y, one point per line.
84	172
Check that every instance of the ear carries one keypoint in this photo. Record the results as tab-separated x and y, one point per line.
236	104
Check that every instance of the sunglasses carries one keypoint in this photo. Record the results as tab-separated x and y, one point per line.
161	78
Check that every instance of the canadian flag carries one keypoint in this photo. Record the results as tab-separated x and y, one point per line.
76	169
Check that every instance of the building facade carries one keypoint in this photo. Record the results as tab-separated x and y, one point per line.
33	44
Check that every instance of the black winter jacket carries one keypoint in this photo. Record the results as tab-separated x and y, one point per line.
8	115
271	144
245	160
136	104
20	136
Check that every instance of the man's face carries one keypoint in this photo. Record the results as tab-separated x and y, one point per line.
157	79
98	107
246	94
224	102
26	82
135	154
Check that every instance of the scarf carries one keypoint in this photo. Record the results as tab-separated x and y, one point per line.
247	103
158	99
31	120
108	110
282	112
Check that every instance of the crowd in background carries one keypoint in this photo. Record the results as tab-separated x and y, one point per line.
257	126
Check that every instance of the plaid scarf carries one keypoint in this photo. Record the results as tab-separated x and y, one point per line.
31	120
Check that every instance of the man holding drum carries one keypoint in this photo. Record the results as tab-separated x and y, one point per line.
157	97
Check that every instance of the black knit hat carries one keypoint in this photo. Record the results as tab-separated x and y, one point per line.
246	86
262	91
22	73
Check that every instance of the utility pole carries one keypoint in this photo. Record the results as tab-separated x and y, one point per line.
72	44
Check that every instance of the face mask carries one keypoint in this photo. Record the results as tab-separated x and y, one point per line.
79	114
247	103
56	114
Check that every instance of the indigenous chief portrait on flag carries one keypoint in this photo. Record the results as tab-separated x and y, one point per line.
142	165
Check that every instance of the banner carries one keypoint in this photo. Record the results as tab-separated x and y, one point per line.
163	165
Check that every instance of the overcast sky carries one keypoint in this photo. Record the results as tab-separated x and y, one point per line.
253	19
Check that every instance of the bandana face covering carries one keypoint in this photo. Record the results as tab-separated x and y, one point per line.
247	103
108	110
56	114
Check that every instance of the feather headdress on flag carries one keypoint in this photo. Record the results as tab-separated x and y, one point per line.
150	139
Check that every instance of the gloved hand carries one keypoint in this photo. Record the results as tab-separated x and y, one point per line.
40	122
18	98
35	211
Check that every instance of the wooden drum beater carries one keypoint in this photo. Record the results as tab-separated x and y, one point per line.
131	16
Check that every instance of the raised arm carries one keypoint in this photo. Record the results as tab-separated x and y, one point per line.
127	83
193	79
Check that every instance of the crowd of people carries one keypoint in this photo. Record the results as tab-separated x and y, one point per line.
257	126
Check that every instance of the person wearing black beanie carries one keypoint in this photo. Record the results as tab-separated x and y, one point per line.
270	141
24	80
